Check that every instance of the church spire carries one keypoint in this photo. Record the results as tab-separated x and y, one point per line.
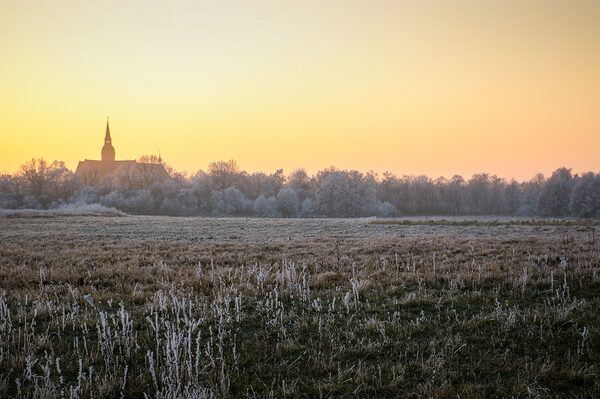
108	151
107	138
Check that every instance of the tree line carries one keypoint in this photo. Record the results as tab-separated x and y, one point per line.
224	189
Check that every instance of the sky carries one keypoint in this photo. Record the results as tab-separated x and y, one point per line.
413	87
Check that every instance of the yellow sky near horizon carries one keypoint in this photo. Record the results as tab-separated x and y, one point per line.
414	87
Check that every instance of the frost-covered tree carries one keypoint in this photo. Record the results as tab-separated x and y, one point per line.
424	195
387	210
226	190
47	183
555	194
134	201
266	207
140	201
183	202
230	202
344	194
513	197
259	183
224	174
62	182
202	187
585	197
302	183
114	199
10	191
455	194
85	196
478	194
35	175
308	208
496	197
288	202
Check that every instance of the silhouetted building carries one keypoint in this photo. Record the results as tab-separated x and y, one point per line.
130	173
108	151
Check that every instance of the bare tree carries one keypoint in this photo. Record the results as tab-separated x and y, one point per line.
227	190
62	182
34	173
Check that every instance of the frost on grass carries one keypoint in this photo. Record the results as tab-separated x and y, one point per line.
147	308
66	210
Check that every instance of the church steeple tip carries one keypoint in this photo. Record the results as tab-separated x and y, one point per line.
107	138
108	151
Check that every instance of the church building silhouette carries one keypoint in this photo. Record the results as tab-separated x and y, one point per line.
139	174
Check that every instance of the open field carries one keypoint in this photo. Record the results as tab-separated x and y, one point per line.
163	307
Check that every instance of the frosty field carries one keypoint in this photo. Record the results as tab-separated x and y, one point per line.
161	307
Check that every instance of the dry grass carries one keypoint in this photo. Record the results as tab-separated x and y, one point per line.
71	210
134	307
488	221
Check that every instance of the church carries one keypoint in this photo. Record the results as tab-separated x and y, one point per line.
131	173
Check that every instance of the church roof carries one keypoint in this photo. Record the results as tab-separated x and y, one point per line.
141	173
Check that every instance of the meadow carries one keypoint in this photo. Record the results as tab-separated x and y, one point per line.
165	307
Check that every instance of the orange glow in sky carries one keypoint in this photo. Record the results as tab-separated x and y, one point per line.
413	87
